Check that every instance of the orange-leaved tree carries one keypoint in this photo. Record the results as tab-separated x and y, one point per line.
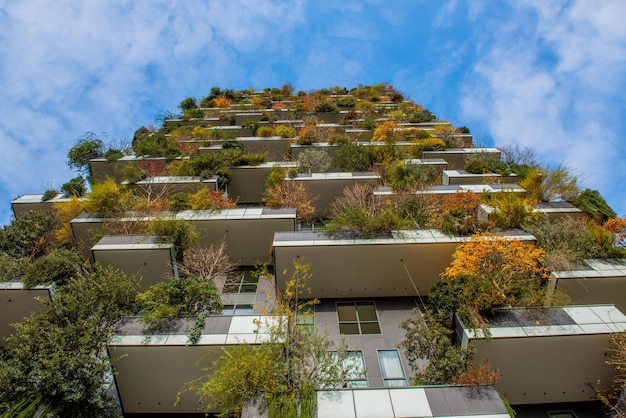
490	271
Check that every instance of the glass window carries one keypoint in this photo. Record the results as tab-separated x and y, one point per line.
352	370
357	318
391	366
306	316
239	293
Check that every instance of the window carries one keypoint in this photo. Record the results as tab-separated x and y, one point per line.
356	377
357	318
352	368
391	366
306	317
239	293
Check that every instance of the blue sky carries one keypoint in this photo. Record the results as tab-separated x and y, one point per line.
546	74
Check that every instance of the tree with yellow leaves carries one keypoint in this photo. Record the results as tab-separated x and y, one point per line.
286	368
488	272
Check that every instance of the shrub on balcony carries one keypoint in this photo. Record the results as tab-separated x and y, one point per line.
180	201
49	194
75	187
168	300
86	148
179	232
113	154
357	212
56	267
313	161
285	131
28	235
265	132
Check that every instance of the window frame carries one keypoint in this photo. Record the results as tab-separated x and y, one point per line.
393	378
233	308
358	322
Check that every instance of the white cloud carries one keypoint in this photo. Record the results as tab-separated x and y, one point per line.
549	78
71	66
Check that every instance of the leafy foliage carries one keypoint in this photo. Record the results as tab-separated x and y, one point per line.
49	194
65	212
11	267
357	211
285	131
388	131
457	214
313	161
567	241
86	148
282	193
180	201
429	339
187	103
593	204
56	267
551	184
178	298
487	272
108	198
285	368
28	235
511	210
207	199
177	231
59	354
75	187
354	157
154	145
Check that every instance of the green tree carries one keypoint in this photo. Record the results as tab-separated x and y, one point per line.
594	205
177	231
429	339
187	104
551	184
313	161
28	235
357	211
86	148
58	356
56	267
75	187
173	299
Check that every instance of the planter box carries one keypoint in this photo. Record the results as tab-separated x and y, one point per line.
32	203
551	210
234	226
169	186
456	157
149	371
438	192
435	401
597	281
355	268
275	147
248	182
18	302
548	355
450	177
326	187
144	256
